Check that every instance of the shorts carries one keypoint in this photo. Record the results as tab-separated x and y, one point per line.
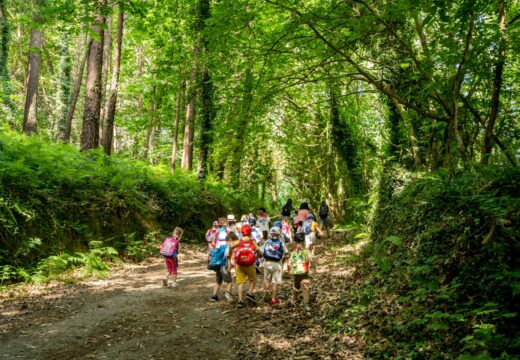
243	272
223	275
324	222
310	239
273	272
297	280
172	263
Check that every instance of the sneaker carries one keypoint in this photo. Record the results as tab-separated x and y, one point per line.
240	304
275	302
229	297
251	297
213	298
174	284
164	282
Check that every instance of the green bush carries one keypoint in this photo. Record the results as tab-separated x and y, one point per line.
55	199
440	276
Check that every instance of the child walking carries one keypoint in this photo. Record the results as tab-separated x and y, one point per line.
299	262
274	251
245	256
169	250
223	272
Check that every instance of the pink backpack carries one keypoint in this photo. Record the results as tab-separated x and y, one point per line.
169	247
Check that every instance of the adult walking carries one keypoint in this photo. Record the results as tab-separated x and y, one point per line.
287	209
323	217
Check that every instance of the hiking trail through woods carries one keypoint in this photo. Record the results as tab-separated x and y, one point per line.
129	315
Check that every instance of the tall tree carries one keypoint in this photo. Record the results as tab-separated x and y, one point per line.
4	54
90	129
497	83
30	121
64	130
64	82
114	87
179	104
189	125
150	130
239	140
206	93
107	63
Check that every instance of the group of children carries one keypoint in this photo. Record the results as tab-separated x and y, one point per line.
247	245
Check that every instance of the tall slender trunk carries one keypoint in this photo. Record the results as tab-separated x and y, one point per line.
207	124
114	87
206	92
76	87
105	86
90	129
189	125
151	124
178	107
411	134
243	120
4	54
30	121
65	82
497	84
140	70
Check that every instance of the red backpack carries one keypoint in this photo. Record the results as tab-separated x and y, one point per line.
245	254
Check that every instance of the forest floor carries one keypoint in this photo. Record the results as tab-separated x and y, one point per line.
129	315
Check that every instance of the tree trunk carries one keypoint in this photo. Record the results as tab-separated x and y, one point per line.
207	124
90	129
65	82
243	120
107	63
411	134
111	102
78	78
4	53
189	126
140	69
30	122
151	125
497	84
178	107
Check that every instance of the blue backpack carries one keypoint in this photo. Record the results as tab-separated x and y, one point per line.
217	258
273	250
306	228
256	234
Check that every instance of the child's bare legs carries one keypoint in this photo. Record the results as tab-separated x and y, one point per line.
275	292
216	288
229	286
240	292
305	291
251	287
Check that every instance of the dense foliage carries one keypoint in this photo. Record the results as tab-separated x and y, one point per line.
55	199
440	275
401	114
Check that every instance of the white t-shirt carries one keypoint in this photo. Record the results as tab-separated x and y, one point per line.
263	223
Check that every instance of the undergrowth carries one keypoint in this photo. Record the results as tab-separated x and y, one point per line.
55	200
439	278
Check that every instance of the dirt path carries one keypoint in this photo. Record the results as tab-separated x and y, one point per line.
130	316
